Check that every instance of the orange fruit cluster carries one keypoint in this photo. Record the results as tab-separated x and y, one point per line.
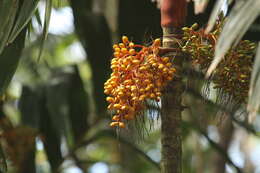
139	73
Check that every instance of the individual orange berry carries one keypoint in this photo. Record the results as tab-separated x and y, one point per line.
152	95
142	68
109	107
116	54
124	50
124	107
117	49
125	39
131	44
161	66
121	125
110	99
165	70
120	94
169	64
114	124
158	94
116	118
132	51
165	59
121	45
113	66
154	64
117	106
136	61
157	42
142	97
115	46
133	88
135	98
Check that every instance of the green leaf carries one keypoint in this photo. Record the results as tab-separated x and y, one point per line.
25	14
9	60
38	18
91	27
3	164
78	105
29	107
8	9
58	106
51	137
48	8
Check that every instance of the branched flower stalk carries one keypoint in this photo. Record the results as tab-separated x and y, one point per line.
233	73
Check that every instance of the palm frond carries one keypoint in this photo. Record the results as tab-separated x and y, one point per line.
48	8
214	15
26	12
8	10
254	91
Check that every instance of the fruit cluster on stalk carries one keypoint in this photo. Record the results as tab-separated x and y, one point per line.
232	76
138	74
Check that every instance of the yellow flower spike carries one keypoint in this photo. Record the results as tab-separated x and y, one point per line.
120	94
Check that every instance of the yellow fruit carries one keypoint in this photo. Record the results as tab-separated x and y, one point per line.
125	39
113	124
121	125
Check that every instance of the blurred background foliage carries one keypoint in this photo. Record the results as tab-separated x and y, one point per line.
53	114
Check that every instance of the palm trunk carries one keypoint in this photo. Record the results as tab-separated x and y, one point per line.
173	13
171	115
